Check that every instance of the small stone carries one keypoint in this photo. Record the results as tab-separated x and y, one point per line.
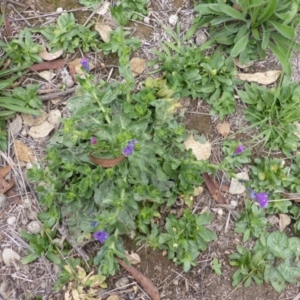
11	220
26	202
201	38
3	201
220	212
146	20
175	282
123	281
233	203
173	19
59	10
34	227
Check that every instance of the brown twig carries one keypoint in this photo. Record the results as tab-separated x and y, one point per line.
57	95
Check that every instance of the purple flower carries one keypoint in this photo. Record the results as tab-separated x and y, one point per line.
262	199
101	236
93	140
94	223
239	149
252	194
129	148
85	64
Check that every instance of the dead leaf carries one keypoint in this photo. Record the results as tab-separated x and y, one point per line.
102	10
213	189
55	101
104	31
23	152
114	297
133	258
47	75
284	221
45	55
4	171
32	120
261	77
41	130
137	65
54	117
201	151
9	256
47	65
144	281
76	64
223	128
291	196
242	66
15	126
5	186
236	187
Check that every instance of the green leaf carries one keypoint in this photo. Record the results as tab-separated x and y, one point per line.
240	46
285	30
268	11
246	235
283	58
230	11
53	257
277	242
29	258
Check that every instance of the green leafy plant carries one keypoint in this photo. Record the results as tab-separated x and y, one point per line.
118	41
192	74
273	112
274	259
9	104
269	175
42	245
69	35
22	51
185	236
216	266
252	222
27	95
250	28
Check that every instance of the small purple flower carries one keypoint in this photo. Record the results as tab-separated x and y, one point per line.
239	149
262	199
85	64
94	223
101	236
252	194
129	148
93	140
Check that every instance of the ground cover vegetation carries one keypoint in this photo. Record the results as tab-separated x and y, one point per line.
121	154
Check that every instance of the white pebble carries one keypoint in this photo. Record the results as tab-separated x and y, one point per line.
3	201
59	10
26	202
34	227
233	203
173	20
146	20
220	211
11	220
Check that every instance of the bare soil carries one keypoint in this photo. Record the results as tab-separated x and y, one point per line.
19	282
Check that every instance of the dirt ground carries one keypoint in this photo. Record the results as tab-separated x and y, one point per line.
35	281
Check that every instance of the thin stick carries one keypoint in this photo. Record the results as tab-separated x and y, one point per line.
56	13
57	95
23	19
16	3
